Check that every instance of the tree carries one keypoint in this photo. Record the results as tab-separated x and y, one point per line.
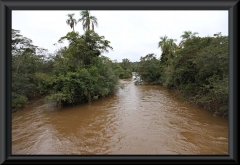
201	72
187	35
71	21
198	71
148	70
126	68
83	48
168	47
163	44
27	61
80	74
87	19
172	46
125	64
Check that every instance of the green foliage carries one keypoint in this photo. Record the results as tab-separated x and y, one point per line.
74	74
187	35
87	19
125	70
83	48
27	60
198	69
149	69
71	21
17	101
84	85
201	72
80	74
167	46
134	66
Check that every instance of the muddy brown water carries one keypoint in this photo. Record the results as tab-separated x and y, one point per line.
135	120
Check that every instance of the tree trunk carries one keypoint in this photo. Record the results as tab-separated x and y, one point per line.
89	98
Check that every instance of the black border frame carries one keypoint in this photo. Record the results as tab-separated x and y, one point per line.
5	75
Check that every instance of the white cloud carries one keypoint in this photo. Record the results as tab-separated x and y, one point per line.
132	33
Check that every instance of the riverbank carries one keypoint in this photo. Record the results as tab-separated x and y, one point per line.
191	99
187	97
197	69
29	102
44	97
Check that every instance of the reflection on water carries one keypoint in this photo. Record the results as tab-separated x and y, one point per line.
135	120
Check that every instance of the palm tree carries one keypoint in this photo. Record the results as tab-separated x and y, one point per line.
168	46
163	44
172	46
87	19
71	21
187	35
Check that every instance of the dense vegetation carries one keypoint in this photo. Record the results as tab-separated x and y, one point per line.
28	61
80	74
74	74
197	69
126	68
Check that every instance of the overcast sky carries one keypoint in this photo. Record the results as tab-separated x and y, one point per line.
132	33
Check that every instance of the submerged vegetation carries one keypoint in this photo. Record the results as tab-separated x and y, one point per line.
196	68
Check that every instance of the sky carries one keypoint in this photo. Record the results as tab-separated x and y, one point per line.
132	34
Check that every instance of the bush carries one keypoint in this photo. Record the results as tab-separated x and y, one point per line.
17	101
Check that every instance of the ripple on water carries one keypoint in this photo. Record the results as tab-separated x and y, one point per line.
136	120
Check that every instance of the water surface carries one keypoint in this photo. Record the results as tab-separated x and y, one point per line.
135	120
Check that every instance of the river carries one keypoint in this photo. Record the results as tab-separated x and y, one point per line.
136	119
